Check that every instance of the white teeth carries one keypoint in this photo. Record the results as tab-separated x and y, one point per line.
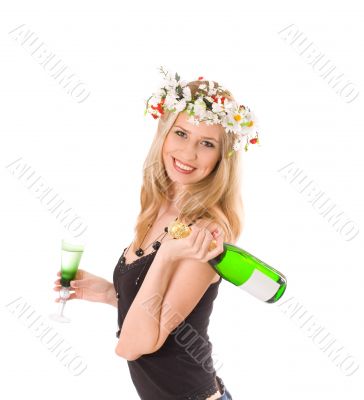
183	166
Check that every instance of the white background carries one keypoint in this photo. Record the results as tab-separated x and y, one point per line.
91	153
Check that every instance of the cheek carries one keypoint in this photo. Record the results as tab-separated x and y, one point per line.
209	160
168	143
216	165
167	150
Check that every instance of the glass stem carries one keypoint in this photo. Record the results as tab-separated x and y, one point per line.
63	303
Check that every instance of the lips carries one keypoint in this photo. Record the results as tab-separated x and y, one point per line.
183	171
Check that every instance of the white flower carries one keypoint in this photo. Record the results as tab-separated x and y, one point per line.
170	100
237	144
170	81
183	84
235	118
253	117
212	90
187	93
229	105
228	128
217	107
211	116
199	106
180	105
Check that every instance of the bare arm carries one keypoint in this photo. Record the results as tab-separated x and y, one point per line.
177	279
111	296
140	328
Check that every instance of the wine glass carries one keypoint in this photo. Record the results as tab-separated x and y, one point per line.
72	251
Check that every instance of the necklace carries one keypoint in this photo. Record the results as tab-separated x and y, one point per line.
176	229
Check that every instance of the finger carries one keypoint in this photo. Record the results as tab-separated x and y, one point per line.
218	249
218	236
193	238
58	288
194	233
208	224
215	229
218	232
204	235
206	242
80	274
80	283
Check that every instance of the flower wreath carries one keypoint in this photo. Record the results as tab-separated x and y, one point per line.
208	104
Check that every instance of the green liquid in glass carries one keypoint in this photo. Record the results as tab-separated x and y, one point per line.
71	256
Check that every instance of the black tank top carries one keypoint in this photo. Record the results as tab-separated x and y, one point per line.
182	369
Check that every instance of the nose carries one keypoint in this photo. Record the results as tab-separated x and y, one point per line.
189	152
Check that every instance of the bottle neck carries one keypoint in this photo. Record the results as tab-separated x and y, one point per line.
216	260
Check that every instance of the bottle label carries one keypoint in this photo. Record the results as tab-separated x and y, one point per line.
260	286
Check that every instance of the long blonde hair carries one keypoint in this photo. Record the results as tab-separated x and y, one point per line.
217	197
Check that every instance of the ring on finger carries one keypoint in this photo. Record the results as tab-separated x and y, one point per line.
213	245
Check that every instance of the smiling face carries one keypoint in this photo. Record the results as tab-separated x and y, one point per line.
195	146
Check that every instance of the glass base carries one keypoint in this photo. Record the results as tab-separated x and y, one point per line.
59	318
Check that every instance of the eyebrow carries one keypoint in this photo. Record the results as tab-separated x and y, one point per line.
203	137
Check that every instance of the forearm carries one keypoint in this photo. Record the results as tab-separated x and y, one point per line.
110	297
140	330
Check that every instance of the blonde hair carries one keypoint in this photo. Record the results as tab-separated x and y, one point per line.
216	198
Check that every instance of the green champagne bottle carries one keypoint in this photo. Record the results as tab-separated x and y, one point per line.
249	273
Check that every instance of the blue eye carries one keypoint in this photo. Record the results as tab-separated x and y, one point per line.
177	133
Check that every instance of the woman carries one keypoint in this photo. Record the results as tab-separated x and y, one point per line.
164	288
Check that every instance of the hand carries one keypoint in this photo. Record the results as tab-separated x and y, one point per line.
196	245
87	286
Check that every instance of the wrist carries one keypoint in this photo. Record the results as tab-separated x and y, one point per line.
166	256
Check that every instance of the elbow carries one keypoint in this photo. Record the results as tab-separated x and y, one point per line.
130	349
127	355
